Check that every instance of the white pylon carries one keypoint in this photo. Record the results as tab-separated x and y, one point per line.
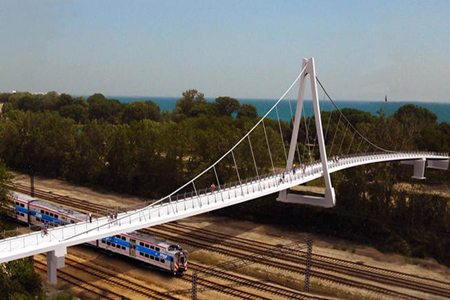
330	198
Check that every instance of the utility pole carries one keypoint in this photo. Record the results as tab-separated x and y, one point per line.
194	286
308	263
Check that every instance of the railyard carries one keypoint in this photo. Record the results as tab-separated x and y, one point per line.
213	241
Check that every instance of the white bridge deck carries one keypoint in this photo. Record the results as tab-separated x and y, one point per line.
58	239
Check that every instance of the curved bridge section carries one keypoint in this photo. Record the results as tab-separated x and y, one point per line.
193	204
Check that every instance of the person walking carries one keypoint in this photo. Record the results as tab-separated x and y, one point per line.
293	169
45	228
90	218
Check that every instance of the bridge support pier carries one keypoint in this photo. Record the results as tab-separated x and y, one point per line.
327	201
55	260
419	167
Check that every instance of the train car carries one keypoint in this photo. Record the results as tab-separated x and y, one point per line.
139	246
19	206
143	247
42	212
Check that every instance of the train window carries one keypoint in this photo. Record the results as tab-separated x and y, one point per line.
151	247
157	249
103	242
22	205
118	246
42	211
112	244
133	241
124	238
17	203
141	244
141	253
51	215
123	247
156	259
72	221
182	259
152	257
146	245
23	215
163	261
108	243
56	216
17	212
118	236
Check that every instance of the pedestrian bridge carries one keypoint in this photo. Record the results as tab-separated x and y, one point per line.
187	200
192	204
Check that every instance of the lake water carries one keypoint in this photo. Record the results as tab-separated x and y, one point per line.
442	110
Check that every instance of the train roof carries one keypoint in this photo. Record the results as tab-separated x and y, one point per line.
60	209
151	239
21	197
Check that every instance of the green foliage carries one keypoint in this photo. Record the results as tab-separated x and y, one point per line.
18	280
138	110
227	106
133	148
103	109
247	111
5	177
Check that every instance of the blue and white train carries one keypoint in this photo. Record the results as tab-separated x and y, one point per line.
136	245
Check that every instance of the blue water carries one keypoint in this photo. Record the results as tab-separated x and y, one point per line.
442	110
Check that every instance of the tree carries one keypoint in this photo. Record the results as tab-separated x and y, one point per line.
18	280
104	109
248	111
5	177
227	106
138	110
192	104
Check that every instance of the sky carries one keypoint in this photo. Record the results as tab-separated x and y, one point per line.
363	50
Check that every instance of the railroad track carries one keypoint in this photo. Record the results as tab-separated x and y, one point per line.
276	263
347	267
144	291
385	276
258	285
81	283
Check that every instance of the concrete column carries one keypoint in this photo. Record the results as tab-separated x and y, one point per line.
55	260
419	167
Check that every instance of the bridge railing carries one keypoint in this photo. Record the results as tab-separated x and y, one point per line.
272	181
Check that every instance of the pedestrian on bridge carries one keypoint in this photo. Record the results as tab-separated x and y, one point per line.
293	169
213	186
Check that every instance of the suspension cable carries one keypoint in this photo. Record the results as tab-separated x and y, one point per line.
343	138
334	137
334	104
307	136
254	161
293	122
348	150
268	147
281	134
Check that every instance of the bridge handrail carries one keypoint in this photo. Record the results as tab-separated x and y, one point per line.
311	168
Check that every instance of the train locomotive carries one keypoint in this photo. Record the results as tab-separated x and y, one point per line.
136	245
